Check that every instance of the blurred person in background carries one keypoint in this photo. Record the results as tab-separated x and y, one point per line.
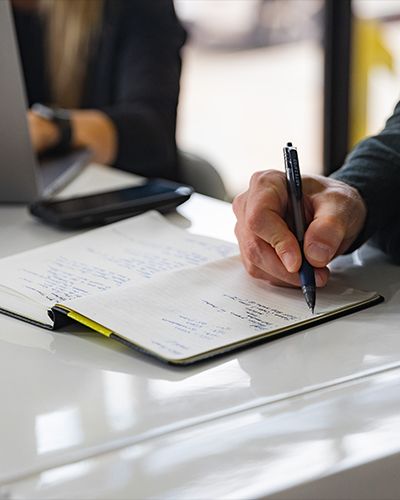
358	202
114	65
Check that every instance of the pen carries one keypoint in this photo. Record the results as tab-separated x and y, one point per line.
293	177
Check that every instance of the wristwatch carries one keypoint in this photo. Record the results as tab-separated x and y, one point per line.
62	119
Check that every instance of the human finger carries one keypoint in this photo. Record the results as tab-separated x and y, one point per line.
338	217
262	262
265	210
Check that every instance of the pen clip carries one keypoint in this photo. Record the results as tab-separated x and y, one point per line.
293	170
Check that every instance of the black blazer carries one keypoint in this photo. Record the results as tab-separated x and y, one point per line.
133	77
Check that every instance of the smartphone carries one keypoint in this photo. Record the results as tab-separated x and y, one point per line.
103	208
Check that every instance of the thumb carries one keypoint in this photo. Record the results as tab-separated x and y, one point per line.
323	238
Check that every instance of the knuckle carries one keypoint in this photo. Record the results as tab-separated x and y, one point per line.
258	223
282	247
237	203
256	176
279	242
265	177
252	252
255	220
276	241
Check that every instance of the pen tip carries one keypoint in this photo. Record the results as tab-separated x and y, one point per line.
309	295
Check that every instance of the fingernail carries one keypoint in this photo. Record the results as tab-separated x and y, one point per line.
320	277
319	252
289	261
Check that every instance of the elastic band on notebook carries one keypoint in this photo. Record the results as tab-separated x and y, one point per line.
88	322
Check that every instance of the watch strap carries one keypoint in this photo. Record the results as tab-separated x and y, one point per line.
62	119
65	140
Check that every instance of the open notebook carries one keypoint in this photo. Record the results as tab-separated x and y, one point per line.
160	289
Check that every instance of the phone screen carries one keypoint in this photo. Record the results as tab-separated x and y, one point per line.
102	208
113	198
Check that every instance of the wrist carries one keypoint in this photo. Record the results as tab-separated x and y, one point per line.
94	130
358	220
50	134
57	128
362	210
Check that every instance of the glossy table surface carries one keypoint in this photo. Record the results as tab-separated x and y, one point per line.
84	417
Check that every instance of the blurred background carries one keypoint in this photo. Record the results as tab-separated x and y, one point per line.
255	77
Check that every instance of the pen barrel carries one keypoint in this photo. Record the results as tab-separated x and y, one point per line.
298	215
295	192
294	184
306	273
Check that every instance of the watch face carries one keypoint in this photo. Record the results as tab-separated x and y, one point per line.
43	111
50	114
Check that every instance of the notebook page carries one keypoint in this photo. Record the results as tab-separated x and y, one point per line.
107	258
183	314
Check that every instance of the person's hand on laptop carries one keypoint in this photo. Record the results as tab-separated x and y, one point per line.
335	211
91	129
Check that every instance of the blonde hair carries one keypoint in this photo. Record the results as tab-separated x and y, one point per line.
71	29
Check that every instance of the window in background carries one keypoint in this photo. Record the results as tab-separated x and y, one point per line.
252	80
376	64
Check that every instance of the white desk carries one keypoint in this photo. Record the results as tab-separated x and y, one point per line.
314	415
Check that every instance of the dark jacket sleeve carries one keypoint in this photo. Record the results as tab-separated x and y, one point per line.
373	168
145	86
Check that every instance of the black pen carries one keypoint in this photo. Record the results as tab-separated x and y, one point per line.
293	177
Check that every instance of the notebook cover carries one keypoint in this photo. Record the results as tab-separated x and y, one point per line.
243	344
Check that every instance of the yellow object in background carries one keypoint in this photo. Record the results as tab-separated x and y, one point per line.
369	50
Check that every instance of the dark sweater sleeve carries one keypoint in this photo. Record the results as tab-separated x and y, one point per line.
373	168
145	87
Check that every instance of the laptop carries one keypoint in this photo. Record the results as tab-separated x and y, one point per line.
23	178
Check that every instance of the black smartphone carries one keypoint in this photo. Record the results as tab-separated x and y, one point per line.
103	208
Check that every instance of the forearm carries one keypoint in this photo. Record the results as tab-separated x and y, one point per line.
145	86
94	130
373	168
91	129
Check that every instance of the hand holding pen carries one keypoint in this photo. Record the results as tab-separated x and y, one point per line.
269	249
